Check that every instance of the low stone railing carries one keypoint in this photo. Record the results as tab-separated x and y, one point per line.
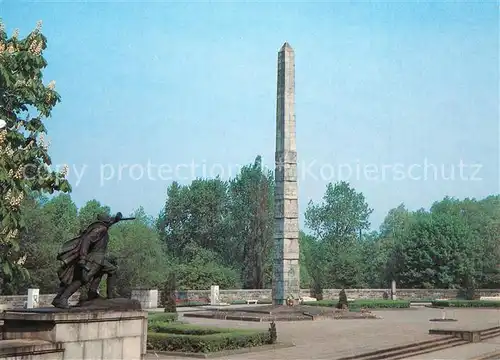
150	298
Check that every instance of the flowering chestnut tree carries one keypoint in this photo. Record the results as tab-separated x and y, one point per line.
25	102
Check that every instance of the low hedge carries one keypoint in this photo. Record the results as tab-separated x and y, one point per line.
164	318
466	303
367	304
197	339
192	304
381	304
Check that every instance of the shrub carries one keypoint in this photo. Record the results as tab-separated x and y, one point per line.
162	318
169	302
317	291
197	339
342	304
273	334
466	303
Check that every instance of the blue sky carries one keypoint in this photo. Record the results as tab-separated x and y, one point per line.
379	86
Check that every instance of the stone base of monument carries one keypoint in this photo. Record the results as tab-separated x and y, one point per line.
280	313
98	329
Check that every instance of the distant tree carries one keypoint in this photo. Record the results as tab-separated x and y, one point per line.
195	216
138	250
342	215
252	215
337	222
454	245
89	212
194	230
48	225
307	244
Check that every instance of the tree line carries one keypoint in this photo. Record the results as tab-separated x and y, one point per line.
213	231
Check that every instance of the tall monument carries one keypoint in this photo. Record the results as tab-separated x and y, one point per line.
286	277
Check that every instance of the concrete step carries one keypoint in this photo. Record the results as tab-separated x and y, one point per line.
494	355
490	333
404	351
470	351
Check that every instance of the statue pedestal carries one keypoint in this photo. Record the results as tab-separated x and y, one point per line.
80	333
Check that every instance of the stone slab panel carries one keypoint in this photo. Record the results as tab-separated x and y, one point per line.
291	251
112	349
87	331
74	350
108	329
92	350
129	328
287	228
286	208
132	345
66	332
286	190
282	157
286	172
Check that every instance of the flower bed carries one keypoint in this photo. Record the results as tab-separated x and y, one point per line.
197	339
467	303
244	302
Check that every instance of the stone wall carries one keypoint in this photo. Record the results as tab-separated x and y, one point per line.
265	294
18	301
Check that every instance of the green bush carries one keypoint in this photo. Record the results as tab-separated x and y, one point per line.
368	304
198	339
157	317
466	303
317	291
273	334
169	294
343	303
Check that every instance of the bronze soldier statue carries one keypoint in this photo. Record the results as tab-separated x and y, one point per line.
85	261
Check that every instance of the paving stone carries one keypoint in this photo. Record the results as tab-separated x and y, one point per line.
333	339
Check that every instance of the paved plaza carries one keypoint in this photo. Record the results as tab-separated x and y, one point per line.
334	339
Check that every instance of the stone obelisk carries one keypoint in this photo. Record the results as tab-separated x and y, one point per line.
286	277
